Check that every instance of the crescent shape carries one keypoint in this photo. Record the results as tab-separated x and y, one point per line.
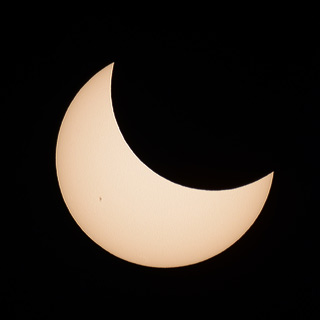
128	209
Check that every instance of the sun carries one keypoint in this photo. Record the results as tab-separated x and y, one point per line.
128	209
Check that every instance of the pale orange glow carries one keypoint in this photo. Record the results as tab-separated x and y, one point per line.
128	209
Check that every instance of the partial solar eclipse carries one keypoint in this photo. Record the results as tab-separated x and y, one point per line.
131	211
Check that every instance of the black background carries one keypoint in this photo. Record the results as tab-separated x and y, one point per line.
207	105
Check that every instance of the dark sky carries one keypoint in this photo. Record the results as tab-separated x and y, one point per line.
204	105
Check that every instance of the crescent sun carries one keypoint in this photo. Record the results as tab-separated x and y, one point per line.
131	211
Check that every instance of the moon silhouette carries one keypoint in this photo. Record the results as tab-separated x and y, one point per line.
128	209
